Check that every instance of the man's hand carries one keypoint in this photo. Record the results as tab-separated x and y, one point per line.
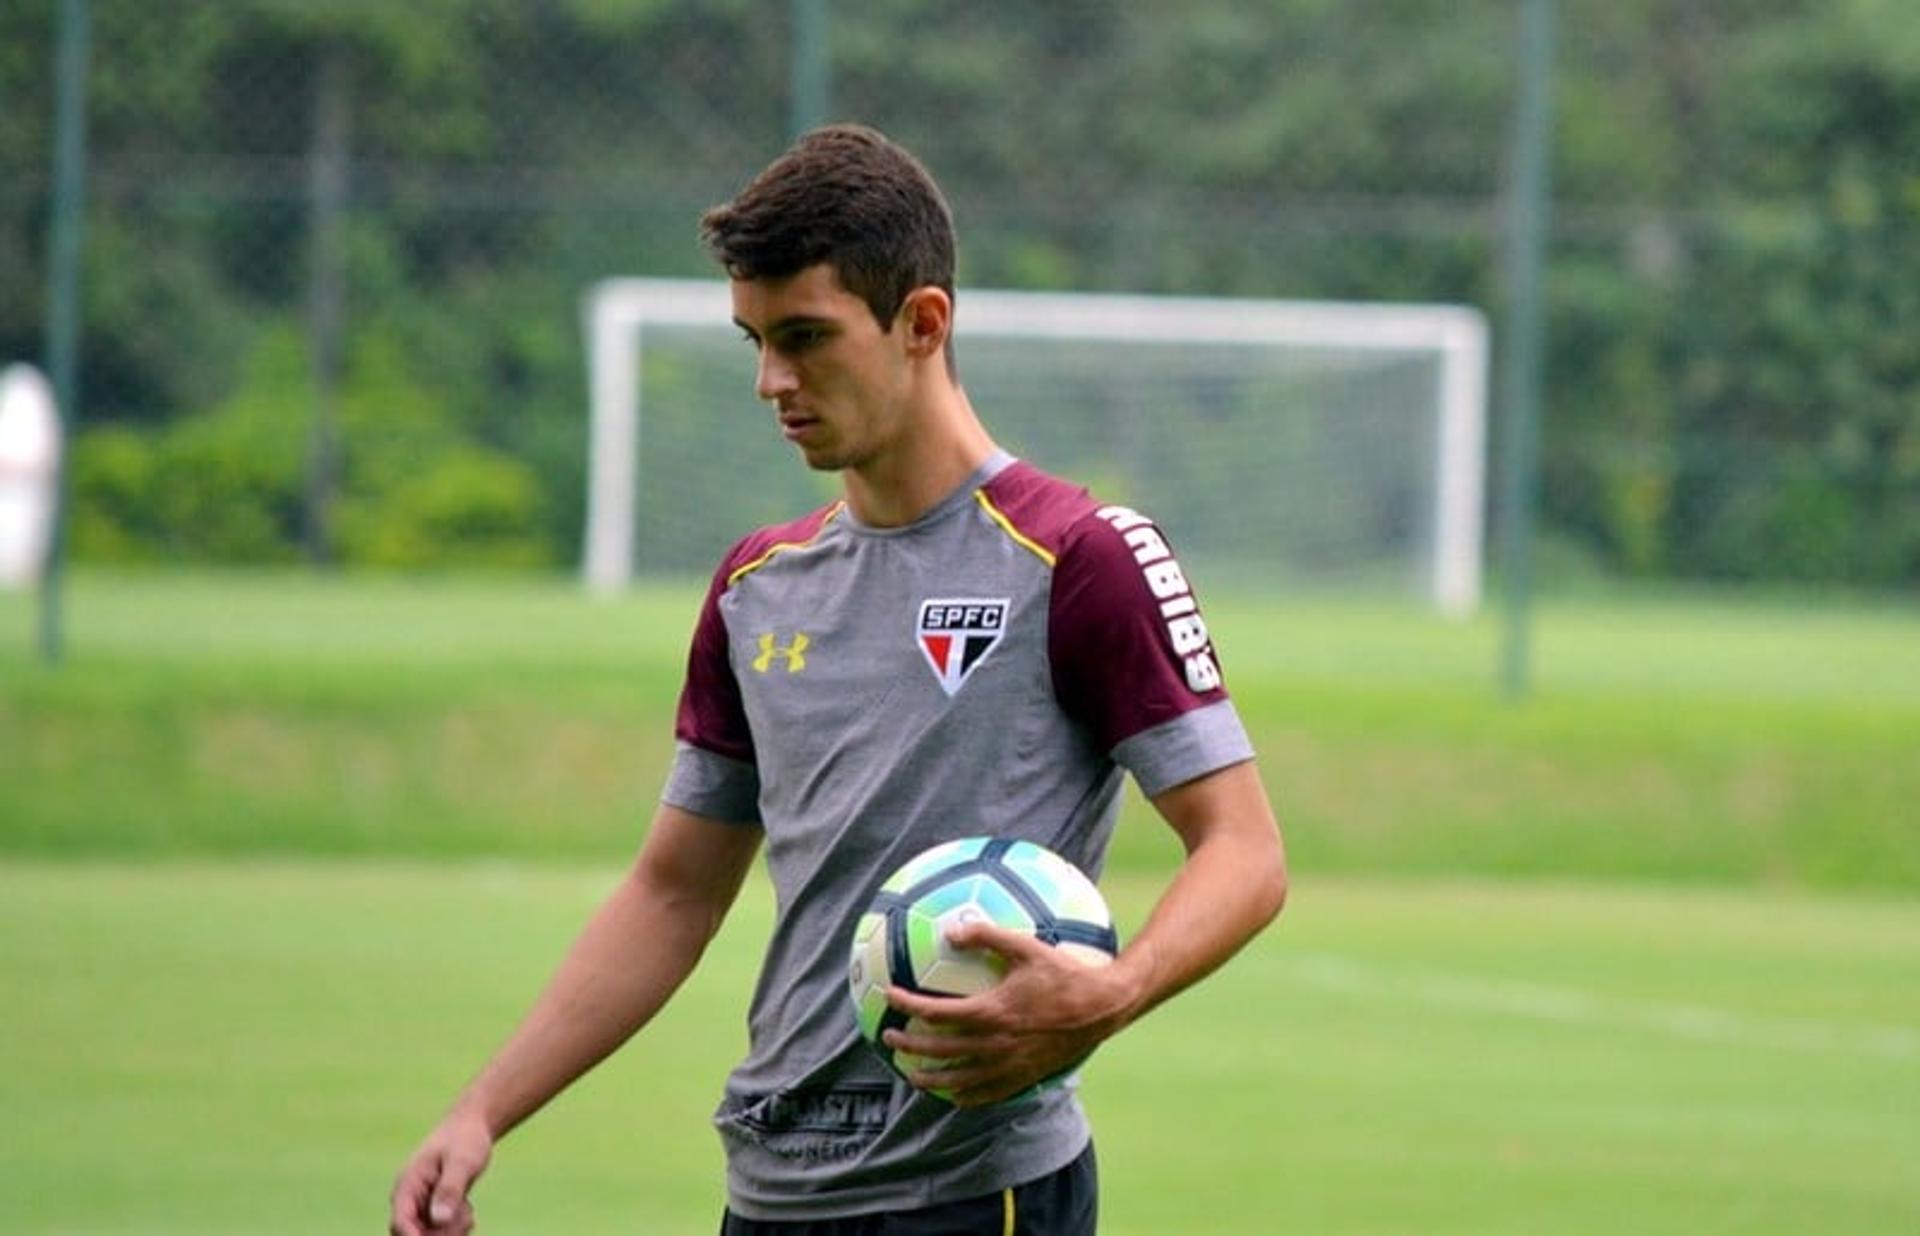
430	1196
1051	1011
1046	1016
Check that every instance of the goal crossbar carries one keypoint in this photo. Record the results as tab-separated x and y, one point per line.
618	311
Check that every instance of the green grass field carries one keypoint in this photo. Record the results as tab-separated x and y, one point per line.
246	1048
1678	739
283	857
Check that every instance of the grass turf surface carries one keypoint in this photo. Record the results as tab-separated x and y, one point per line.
1678	738
253	1047
245	1047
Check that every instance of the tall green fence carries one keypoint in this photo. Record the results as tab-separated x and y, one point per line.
334	250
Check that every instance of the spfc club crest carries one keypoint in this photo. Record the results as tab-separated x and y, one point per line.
956	634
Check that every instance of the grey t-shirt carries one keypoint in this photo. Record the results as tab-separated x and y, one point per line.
864	693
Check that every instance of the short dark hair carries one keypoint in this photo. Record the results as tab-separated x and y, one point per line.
847	196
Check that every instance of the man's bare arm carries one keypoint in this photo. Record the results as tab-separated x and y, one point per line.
1051	1011
1233	883
632	955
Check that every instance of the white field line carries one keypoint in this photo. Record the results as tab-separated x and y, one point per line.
1540	1002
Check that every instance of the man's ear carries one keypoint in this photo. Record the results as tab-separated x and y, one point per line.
927	316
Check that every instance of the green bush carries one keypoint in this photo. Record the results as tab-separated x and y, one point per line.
469	507
229	485
112	480
216	488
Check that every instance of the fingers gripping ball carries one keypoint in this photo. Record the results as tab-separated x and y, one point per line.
902	938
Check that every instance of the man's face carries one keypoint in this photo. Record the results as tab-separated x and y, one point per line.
838	383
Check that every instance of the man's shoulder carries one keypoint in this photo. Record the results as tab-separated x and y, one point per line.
762	545
1066	519
1039	507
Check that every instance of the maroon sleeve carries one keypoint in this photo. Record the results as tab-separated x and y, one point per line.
1129	648
711	715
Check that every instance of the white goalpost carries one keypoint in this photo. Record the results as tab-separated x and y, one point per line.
1289	441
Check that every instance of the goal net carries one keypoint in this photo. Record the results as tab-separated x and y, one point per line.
1282	444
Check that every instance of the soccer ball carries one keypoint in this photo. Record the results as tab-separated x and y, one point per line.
902	938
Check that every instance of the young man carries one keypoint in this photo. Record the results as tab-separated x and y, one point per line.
823	715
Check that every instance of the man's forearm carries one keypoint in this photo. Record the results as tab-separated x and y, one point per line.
632	955
622	967
1232	884
1050	1012
1220	899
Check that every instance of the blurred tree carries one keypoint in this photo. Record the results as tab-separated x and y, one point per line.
226	485
1730	390
1810	367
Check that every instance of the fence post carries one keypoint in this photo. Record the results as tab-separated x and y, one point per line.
1529	207
811	83
327	158
66	216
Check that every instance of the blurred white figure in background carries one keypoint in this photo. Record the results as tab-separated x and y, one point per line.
29	472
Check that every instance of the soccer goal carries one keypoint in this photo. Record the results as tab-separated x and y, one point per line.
1282	444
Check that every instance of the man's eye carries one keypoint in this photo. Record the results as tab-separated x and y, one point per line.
804	337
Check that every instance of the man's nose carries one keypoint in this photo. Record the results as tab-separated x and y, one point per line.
776	376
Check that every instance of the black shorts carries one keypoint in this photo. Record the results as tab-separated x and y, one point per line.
1063	1204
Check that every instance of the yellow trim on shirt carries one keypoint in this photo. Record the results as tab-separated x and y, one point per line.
1007	1228
994	513
757	563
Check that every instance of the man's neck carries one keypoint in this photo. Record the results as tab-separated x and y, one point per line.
948	445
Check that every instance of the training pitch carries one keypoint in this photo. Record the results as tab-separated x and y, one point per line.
283	857
245	1048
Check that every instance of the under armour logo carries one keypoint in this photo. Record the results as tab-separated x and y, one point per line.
795	652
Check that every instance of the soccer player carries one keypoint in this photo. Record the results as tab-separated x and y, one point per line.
960	645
